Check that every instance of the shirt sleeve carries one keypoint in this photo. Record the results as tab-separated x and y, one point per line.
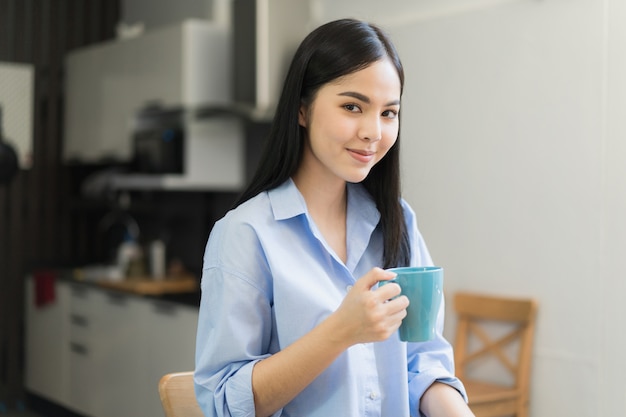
432	360
234	323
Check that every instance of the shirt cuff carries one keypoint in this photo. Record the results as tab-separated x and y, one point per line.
423	380
239	395
238	392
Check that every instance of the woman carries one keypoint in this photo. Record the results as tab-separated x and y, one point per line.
285	326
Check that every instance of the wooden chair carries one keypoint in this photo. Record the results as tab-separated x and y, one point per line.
475	343
178	395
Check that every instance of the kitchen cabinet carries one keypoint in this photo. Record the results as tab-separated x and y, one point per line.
186	64
112	350
101	353
46	349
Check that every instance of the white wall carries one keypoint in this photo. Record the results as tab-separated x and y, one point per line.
613	308
514	159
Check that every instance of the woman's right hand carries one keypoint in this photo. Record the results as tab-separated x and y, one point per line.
365	315
368	315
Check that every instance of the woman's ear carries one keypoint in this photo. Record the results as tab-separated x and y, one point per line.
302	115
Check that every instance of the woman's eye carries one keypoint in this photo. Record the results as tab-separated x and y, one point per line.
391	114
352	107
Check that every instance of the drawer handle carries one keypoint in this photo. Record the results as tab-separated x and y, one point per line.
166	309
79	348
79	291
78	320
117	299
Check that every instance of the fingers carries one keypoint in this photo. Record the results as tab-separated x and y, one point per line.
372	278
398	304
388	291
387	297
375	276
373	315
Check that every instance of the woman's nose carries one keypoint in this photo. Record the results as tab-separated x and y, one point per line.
370	129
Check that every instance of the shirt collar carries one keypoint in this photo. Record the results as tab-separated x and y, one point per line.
287	202
362	206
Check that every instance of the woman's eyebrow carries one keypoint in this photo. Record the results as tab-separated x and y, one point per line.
365	99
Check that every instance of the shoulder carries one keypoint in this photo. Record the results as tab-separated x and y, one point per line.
419	252
409	213
250	210
235	251
238	229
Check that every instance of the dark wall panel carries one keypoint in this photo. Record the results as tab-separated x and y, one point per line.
35	226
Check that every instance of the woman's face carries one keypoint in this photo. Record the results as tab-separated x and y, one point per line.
351	124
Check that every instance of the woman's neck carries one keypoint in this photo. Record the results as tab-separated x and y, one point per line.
327	205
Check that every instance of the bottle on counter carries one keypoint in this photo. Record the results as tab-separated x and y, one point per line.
130	258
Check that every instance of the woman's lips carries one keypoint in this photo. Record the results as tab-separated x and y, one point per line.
361	156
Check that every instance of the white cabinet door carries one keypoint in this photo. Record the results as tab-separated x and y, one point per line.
171	335
84	379
119	347
46	336
184	64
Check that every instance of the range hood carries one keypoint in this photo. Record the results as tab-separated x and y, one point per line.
266	34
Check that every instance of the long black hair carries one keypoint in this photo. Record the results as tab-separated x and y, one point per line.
333	50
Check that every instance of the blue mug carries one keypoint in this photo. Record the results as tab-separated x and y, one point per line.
423	285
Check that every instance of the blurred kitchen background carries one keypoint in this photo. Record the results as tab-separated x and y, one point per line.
136	122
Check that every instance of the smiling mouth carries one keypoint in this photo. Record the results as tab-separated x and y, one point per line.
361	156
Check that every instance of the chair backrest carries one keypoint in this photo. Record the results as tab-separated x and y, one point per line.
475	312
178	395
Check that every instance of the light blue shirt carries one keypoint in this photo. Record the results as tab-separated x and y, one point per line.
269	277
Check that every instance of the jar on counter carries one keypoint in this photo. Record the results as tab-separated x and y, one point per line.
157	259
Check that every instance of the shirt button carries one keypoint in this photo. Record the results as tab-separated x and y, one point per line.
373	395
348	288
